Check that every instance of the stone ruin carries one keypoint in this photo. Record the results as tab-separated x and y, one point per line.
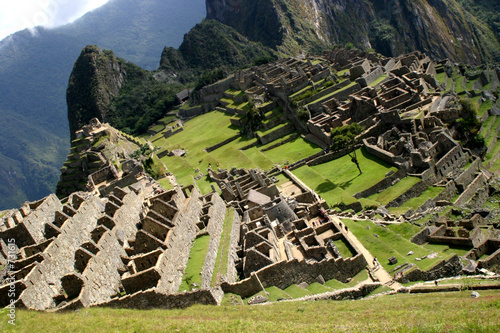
285	237
91	163
466	234
118	239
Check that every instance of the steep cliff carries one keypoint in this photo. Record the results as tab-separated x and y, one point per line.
96	78
440	28
211	44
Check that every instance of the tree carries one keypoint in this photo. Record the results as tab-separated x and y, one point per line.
346	137
468	126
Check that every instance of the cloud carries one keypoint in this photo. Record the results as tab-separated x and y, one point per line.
21	14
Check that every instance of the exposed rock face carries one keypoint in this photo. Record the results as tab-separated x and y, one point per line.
96	78
392	27
256	19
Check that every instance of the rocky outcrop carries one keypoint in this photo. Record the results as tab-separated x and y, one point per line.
96	78
392	27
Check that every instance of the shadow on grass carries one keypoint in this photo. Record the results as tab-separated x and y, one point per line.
325	187
348	183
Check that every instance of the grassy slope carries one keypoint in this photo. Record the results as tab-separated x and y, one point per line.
389	244
338	180
399	313
223	253
192	273
211	128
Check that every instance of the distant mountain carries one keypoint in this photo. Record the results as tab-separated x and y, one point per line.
34	73
465	31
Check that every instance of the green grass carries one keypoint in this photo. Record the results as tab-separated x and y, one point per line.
360	277
344	173
222	255
324	187
442	77
469	84
446	250
324	98
395	191
430	193
458	85
405	230
275	293
192	273
157	128
435	312
263	132
166	184
292	151
297	292
484	107
344	248
212	128
261	160
487	125
390	244
317	288
338	180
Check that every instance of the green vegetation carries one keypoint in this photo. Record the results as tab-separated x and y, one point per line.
344	137
211	128
142	101
389	244
401	313
210	77
220	267
338	180
192	273
468	125
210	45
394	191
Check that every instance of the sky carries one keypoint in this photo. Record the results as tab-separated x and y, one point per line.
17	15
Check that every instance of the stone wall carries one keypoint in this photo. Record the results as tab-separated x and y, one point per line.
471	190
44	281
223	143
382	185
217	213
214	92
368	79
287	129
180	240
286	273
468	175
196	110
340	95
421	237
413	192
448	193
445	268
282	142
333	155
35	221
102	279
345	294
152	299
380	153
232	273
325	92
455	158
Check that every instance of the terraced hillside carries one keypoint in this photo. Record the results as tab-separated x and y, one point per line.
335	177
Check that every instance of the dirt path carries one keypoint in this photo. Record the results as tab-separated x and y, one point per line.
379	271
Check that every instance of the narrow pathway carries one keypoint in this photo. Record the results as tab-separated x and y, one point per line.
379	271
